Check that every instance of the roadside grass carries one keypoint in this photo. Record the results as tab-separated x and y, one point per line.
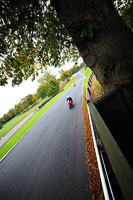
98	88
16	120
21	132
86	72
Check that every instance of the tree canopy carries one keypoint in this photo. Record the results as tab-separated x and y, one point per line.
36	34
31	33
49	85
125	9
64	75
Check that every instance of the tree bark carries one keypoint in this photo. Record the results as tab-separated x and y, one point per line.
109	50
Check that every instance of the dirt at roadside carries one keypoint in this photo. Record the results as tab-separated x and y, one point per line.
94	93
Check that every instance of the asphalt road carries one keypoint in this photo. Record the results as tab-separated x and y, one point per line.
49	163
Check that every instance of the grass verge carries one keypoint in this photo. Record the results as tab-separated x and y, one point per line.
86	72
21	132
16	120
98	88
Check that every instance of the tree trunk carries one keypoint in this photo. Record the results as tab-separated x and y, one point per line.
102	38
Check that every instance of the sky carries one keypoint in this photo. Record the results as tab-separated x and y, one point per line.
10	96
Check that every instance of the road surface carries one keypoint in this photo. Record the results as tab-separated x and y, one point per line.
49	163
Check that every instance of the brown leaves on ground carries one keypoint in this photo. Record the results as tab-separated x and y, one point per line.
94	177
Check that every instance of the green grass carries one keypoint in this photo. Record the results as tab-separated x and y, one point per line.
98	88
12	123
86	72
21	132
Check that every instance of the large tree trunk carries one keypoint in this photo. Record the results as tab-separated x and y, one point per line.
102	38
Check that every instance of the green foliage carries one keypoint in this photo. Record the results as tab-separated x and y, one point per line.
9	115
42	90
48	88
1	120
46	77
26	101
98	88
105	71
64	75
125	9
1	125
53	87
88	31
18	109
74	69
6	117
11	111
94	21
32	36
31	33
49	85
34	98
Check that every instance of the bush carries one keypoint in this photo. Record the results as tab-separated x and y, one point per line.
1	125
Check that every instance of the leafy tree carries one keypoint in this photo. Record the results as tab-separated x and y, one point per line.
34	98
50	32
53	87
11	111
18	109
64	75
49	85
5	118
42	90
1	125
26	101
46	77
1	120
74	69
31	33
9	115
125	9
48	88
